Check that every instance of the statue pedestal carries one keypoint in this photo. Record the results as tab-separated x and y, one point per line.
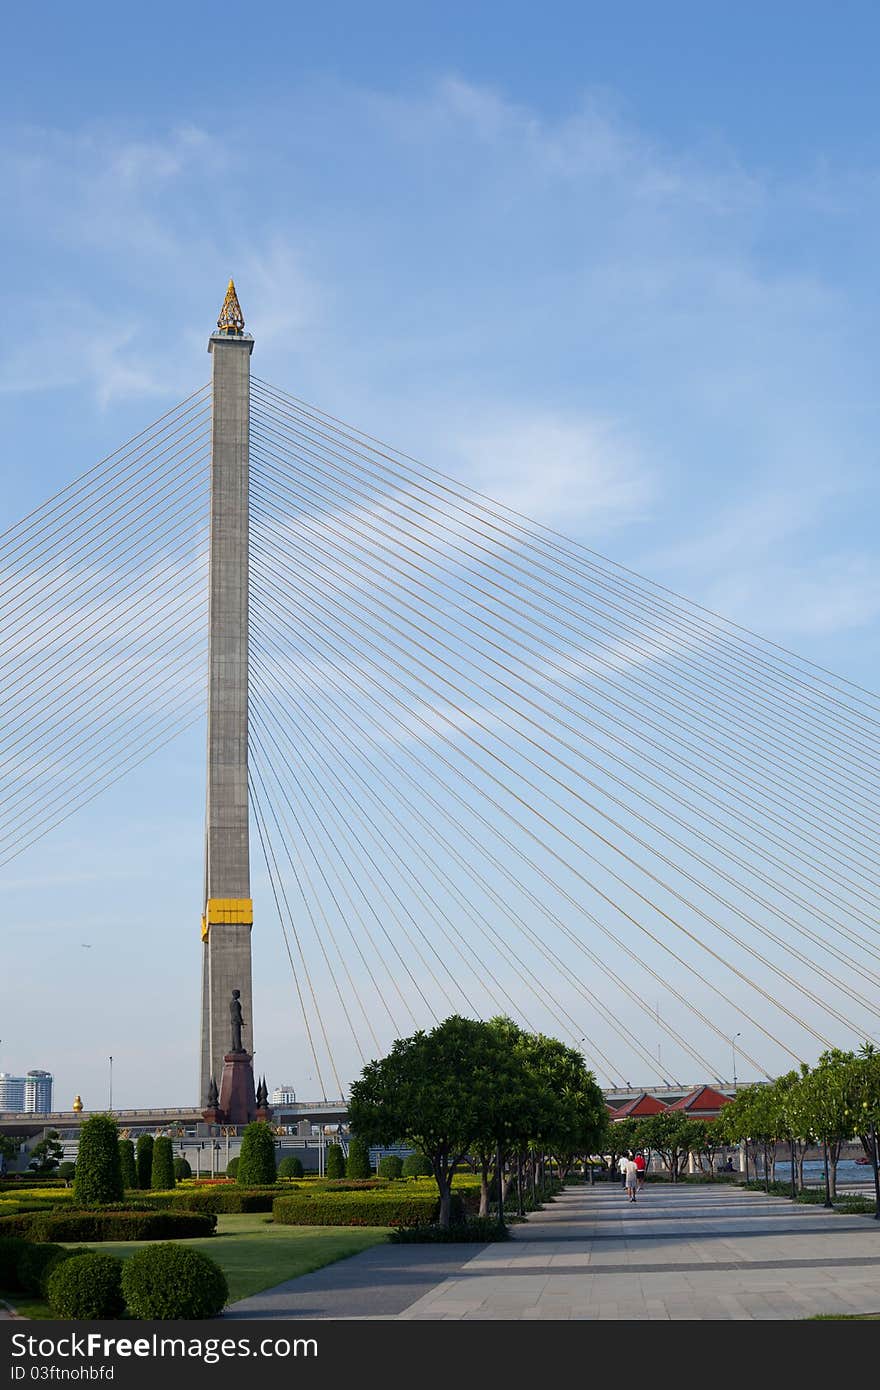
238	1100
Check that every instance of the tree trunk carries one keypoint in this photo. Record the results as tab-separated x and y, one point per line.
833	1156
445	1202
484	1185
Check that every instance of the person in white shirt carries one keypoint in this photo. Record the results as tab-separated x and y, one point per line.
630	1177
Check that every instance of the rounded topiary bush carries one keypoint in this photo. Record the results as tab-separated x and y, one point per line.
358	1163
65	1252
88	1287
127	1164
290	1167
182	1169
256	1162
162	1171
67	1171
335	1167
232	1168
416	1165
144	1160
98	1178
390	1166
173	1281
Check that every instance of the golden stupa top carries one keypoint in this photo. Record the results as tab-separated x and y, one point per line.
231	318
77	1104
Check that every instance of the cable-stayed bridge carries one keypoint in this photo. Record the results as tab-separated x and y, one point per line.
487	769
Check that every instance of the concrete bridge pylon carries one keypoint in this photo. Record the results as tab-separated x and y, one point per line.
228	909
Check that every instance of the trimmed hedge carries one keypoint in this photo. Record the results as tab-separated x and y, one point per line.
108	1225
162	1167
33	1263
144	1150
12	1247
87	1287
478	1230
415	1165
390	1166
358	1163
182	1168
232	1168
359	1209
127	1163
98	1176
290	1167
256	1162
349	1185
170	1281
38	1262
225	1199
335	1166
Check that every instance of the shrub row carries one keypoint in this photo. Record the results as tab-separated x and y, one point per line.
359	1209
108	1225
225	1199
161	1281
478	1229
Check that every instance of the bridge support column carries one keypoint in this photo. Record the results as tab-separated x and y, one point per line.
228	917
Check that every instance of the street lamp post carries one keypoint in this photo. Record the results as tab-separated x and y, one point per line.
733	1049
111	1085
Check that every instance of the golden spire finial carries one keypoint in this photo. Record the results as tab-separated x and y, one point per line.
231	318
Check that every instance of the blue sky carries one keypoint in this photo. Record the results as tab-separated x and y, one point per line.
617	269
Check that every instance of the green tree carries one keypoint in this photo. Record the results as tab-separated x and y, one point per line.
144	1151
127	1164
831	1094
46	1155
98	1177
433	1090
162	1172
358	1163
256	1162
10	1146
67	1171
673	1136
182	1168
334	1166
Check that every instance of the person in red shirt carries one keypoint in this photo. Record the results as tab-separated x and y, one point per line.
641	1165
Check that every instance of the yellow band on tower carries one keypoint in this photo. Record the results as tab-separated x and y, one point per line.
227	912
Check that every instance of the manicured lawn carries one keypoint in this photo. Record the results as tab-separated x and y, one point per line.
253	1253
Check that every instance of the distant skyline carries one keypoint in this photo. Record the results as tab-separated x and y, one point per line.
616	269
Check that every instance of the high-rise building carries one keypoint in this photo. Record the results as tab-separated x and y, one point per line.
11	1091
38	1092
284	1095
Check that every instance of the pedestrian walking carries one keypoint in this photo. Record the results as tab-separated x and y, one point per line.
630	1178
641	1164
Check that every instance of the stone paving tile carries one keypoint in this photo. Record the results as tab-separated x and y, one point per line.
687	1254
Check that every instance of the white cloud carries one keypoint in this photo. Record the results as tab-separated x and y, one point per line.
558	467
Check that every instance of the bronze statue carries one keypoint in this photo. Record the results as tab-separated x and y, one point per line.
236	1020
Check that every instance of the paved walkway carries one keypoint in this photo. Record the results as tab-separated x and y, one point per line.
686	1252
